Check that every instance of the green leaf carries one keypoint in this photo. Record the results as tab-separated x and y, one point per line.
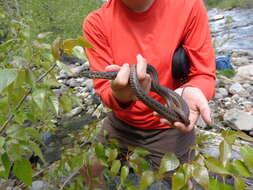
6	45
229	136
200	174
64	67
138	163
99	149
188	170
216	166
2	141
23	170
112	154
20	78
225	151
100	152
241	168
124	173
32	132
216	185
30	78
14	150
37	150
66	103
79	52
178	180
200	139
55	102
244	136
39	97
77	161
7	76
169	163
239	183
115	167
147	178
229	73
43	35
247	154
7	166
141	151
69	44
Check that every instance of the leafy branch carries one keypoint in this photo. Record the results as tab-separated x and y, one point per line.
29	91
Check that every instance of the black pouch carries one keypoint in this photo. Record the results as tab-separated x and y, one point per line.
180	64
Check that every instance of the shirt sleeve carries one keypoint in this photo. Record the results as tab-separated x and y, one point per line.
198	45
99	57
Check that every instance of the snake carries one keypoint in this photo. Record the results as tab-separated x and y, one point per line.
176	108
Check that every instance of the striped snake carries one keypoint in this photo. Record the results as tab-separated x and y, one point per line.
176	110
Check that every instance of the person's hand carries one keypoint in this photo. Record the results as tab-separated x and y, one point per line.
198	106
121	88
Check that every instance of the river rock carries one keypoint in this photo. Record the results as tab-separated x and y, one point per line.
73	83
222	91
240	61
244	73
74	112
75	71
236	88
89	84
239	120
39	185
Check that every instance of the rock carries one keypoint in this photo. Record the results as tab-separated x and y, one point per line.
236	88
222	91
247	104
214	151
74	112
67	140
246	85
75	71
218	95
62	75
244	73
240	61
215	18
89	84
201	123
239	120
73	83
47	138
39	185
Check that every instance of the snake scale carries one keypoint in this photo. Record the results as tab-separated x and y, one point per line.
176	109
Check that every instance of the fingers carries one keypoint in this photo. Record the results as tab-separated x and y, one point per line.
205	112
181	127
141	67
112	68
122	77
178	125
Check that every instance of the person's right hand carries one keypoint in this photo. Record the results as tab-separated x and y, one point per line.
121	88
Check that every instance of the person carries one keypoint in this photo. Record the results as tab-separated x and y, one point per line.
127	32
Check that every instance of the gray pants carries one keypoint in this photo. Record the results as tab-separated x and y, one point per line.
157	142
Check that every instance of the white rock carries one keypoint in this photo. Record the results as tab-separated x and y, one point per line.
223	91
244	73
236	88
239	119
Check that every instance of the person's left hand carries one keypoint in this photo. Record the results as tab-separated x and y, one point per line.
198	106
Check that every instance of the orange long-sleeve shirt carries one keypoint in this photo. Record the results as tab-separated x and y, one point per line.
119	34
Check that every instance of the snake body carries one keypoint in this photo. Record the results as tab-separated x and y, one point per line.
176	110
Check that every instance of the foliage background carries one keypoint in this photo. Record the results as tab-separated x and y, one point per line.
61	17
